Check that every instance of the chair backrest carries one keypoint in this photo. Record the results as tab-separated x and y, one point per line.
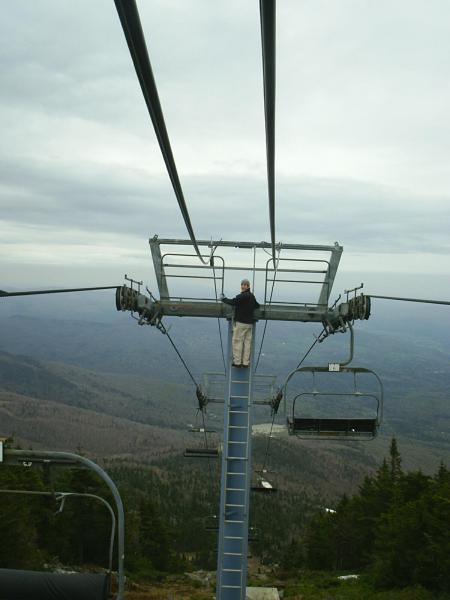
40	585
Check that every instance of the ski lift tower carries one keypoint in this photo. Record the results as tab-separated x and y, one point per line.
302	267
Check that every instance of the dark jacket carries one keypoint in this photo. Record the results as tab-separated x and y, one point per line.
244	303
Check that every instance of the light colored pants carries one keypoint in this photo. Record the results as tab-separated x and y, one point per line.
242	343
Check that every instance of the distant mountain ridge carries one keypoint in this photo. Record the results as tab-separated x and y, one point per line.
66	408
119	370
58	406
44	424
414	367
147	401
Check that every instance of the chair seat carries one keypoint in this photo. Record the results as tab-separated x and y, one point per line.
333	427
40	585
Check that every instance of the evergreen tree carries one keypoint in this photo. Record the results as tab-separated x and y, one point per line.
80	533
320	541
19	519
413	541
154	536
397	526
395	461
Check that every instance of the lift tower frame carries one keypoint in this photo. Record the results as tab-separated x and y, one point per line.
315	273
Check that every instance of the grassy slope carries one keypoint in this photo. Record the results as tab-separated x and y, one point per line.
308	586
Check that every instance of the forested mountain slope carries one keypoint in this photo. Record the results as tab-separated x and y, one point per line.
131	374
42	424
411	357
140	399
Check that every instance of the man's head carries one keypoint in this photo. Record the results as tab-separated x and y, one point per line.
245	285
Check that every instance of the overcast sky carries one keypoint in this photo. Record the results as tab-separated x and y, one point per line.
362	129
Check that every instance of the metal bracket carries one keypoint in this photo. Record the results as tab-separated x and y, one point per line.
138	283
355	289
202	398
275	402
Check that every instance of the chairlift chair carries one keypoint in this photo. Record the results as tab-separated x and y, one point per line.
263	486
204	451
41	585
348	426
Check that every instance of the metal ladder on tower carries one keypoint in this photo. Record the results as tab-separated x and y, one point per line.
235	481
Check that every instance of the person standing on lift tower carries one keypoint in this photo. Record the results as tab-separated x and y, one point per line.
245	303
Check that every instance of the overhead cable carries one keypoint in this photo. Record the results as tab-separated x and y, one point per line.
276	264
267	10
411	299
206	443
292	373
283	391
309	349
267	452
194	381
166	333
134	35
218	319
4	294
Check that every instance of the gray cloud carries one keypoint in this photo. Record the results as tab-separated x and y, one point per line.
363	215
362	130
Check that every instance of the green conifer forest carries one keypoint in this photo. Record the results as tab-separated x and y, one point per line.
393	533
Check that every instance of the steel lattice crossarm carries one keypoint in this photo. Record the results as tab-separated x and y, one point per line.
296	266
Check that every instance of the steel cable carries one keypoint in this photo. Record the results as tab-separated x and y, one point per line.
410	299
266	456
267	9
4	294
206	442
165	332
218	319
270	301
283	387
134	35
309	350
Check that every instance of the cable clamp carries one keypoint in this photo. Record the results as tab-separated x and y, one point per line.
202	398
275	402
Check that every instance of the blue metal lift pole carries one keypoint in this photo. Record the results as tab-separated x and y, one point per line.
235	481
